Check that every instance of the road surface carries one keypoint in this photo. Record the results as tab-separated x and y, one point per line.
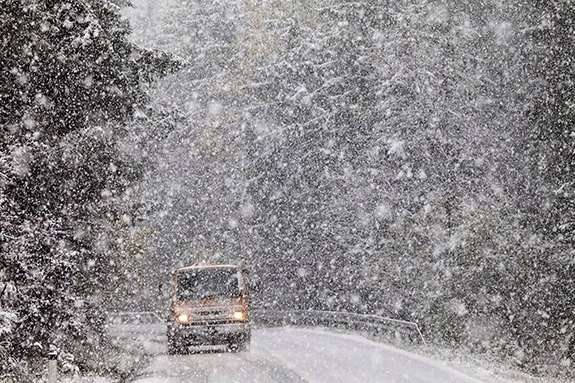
300	355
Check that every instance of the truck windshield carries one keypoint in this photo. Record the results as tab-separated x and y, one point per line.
207	283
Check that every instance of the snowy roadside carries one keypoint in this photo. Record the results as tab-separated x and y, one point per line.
294	351
124	358
490	369
484	367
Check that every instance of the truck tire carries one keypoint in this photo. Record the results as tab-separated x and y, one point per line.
173	346
242	344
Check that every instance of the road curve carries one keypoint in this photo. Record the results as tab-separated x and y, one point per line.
300	355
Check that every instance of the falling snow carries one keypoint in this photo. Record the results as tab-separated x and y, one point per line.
408	160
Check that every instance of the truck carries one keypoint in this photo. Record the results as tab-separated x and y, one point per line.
209	306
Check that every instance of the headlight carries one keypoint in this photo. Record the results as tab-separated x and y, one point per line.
183	318
239	315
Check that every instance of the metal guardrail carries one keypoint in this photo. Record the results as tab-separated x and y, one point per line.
377	325
395	329
130	324
133	317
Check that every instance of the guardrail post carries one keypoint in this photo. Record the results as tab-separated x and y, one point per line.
52	367
52	371
420	335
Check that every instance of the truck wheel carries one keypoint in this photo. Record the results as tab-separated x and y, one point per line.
173	346
242	344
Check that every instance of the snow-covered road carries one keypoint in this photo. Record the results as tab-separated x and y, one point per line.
301	355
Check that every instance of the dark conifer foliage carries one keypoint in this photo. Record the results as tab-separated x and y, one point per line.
552	146
554	115
69	82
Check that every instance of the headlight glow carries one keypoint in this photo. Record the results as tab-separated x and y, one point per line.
183	318
239	315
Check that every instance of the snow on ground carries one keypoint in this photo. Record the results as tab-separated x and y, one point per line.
308	355
322	356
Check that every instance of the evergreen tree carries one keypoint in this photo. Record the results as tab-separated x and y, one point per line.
69	80
381	115
550	322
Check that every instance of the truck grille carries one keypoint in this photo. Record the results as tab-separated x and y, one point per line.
211	313
211	316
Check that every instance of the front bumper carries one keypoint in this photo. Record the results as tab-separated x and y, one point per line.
210	334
